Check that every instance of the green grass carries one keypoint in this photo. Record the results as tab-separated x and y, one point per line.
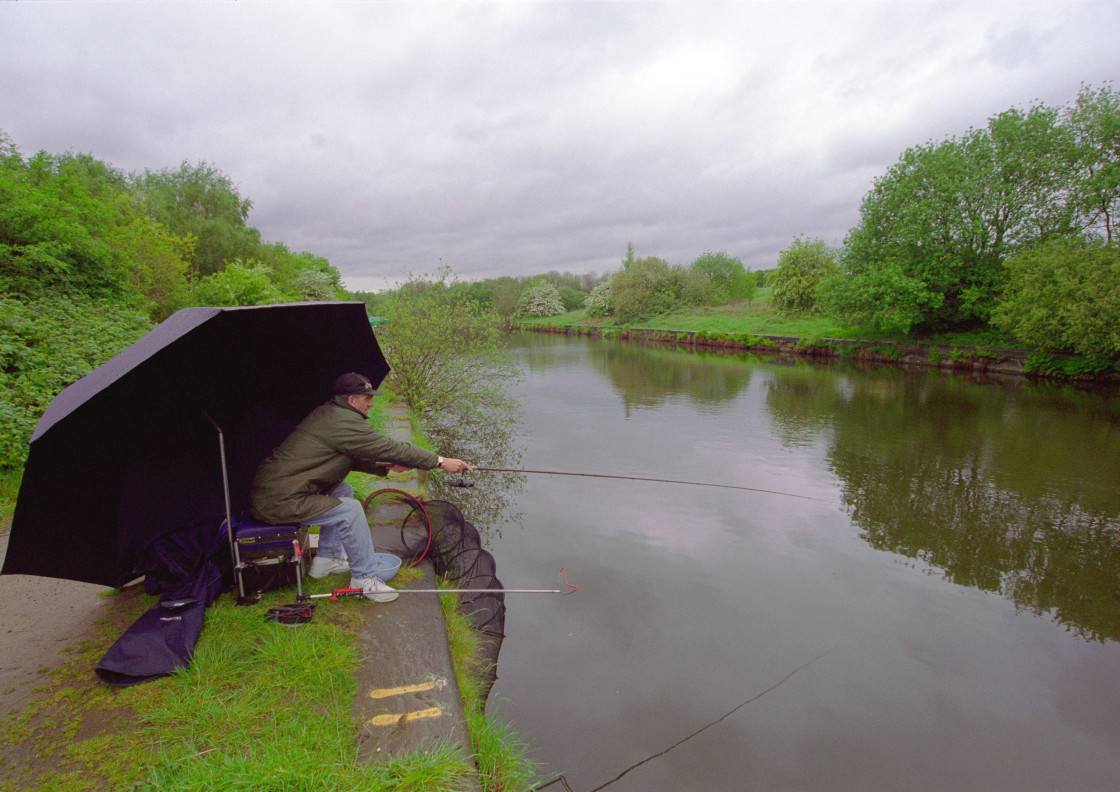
499	753
757	317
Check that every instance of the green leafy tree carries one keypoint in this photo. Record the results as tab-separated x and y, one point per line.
589	280
450	362
563	279
540	298
157	264
52	230
505	293
647	287
289	272
1093	123
1064	295
69	225
935	230
801	268
572	299
717	278
201	202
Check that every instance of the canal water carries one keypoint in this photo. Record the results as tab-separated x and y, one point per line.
933	604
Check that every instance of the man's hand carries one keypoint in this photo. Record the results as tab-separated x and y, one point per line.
452	465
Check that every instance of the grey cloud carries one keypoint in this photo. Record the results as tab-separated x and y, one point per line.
512	138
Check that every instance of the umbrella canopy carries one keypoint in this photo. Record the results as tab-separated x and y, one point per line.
131	451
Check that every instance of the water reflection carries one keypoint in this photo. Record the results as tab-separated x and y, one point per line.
1009	490
645	378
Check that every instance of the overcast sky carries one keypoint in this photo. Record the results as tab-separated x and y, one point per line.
519	137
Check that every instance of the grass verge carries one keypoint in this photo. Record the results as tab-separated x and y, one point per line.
757	317
499	753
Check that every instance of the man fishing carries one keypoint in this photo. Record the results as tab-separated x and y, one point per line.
303	481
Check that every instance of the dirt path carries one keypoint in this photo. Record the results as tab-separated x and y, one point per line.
38	619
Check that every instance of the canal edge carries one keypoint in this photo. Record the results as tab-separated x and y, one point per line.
952	358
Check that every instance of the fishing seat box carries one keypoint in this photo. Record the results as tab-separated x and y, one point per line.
267	556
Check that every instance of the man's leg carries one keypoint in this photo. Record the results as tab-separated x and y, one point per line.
330	538
345	527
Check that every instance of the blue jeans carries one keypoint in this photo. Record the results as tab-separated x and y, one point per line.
345	526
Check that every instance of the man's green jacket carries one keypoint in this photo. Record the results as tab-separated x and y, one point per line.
293	484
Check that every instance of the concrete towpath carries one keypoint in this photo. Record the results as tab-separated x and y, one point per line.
408	698
41	618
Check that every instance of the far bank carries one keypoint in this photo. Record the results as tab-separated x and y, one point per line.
957	358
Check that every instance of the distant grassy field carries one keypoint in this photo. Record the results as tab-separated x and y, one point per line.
757	317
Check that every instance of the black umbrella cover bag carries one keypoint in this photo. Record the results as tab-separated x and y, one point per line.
190	569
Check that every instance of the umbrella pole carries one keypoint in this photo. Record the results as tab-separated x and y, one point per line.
225	492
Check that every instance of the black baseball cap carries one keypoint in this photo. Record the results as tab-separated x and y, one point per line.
353	383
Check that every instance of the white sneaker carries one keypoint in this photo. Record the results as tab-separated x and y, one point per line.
374	589
321	566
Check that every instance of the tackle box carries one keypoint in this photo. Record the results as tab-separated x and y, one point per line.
266	556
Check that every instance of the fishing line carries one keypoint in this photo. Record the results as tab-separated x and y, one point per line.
723	717
462	483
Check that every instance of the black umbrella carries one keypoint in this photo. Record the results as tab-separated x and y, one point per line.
136	449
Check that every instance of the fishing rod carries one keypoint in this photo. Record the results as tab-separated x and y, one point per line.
462	483
351	591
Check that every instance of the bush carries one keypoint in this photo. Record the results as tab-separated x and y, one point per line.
240	283
800	271
646	287
598	302
316	285
541	298
573	299
717	279
450	361
1064	294
46	345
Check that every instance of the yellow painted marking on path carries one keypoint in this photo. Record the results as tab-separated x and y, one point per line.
421	687
398	691
394	719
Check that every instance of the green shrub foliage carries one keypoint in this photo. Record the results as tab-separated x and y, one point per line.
800	270
240	283
645	287
451	365
717	279
47	344
573	299
1064	295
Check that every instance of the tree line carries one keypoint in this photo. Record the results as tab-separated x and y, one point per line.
1012	226
643	287
91	257
157	241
